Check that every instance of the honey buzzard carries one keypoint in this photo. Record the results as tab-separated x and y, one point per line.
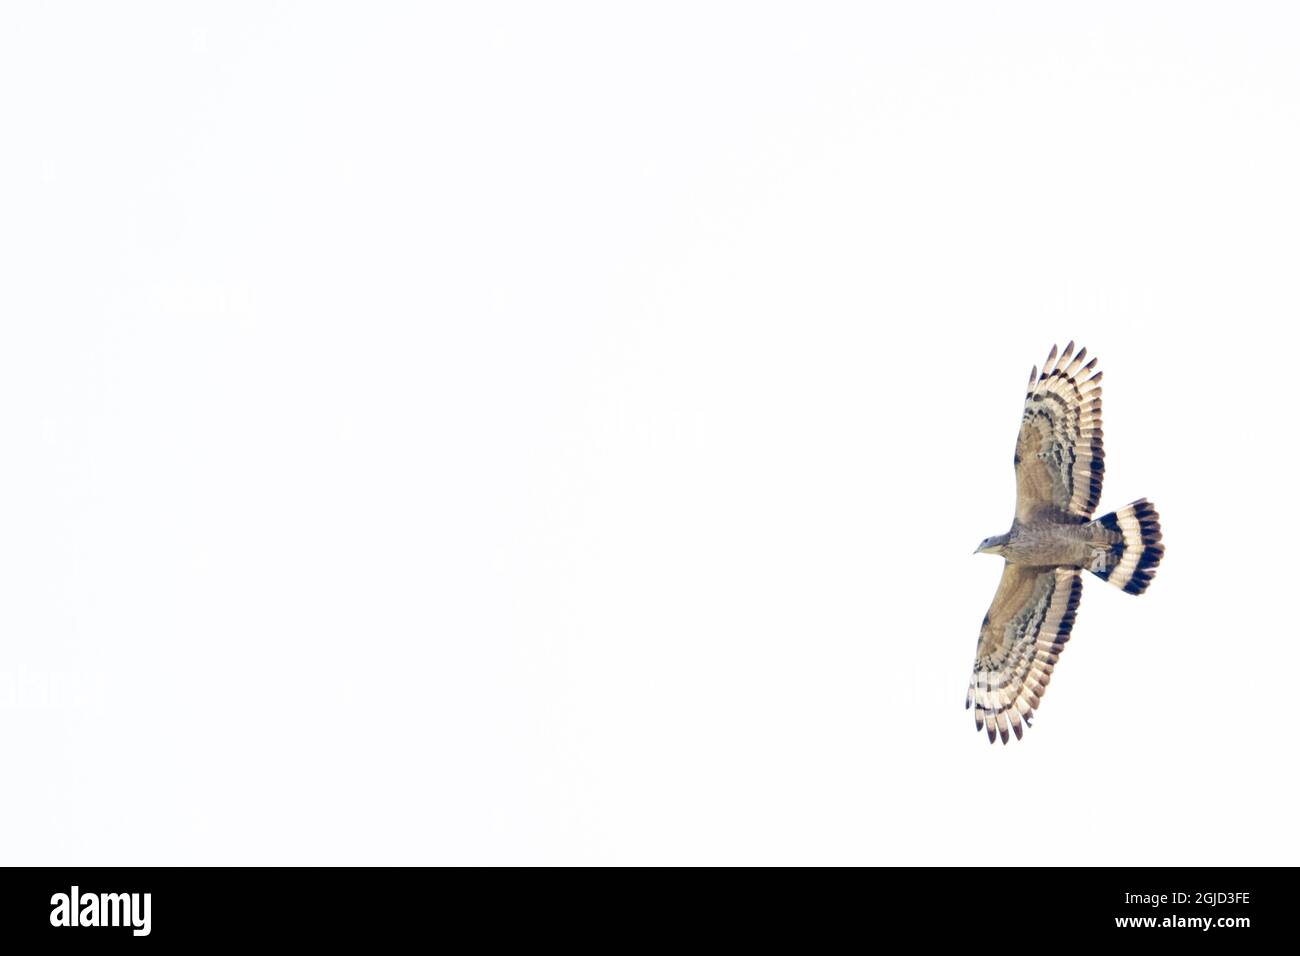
1059	464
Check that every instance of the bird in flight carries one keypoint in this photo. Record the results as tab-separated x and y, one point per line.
1059	464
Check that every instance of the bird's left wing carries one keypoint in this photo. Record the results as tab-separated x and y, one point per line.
1059	457
1021	640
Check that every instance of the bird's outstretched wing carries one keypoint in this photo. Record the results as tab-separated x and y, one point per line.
1020	642
1059	458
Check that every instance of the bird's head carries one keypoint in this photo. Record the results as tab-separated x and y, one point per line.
993	545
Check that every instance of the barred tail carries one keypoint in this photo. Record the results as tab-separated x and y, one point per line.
1130	562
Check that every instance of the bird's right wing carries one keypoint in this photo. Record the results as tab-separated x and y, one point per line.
1021	640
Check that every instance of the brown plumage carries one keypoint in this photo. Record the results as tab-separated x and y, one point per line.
1059	463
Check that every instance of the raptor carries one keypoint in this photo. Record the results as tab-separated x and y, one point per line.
1053	539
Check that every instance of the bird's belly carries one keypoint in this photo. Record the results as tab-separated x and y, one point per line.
1045	549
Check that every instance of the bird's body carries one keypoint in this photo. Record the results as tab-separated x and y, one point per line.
1059	464
1048	544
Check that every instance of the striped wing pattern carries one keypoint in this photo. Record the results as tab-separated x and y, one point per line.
1020	642
1059	458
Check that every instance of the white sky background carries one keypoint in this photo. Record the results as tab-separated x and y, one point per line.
487	434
